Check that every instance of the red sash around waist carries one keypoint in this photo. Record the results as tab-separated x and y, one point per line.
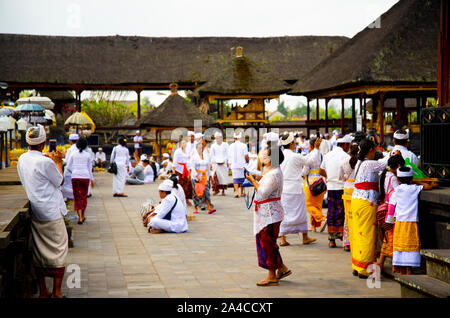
185	170
265	201
366	185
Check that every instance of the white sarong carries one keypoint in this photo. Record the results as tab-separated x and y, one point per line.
120	178
50	243
66	188
238	173
295	218
222	173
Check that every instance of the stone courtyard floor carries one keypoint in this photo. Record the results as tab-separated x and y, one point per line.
215	258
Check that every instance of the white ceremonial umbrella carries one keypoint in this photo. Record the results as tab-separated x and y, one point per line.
44	101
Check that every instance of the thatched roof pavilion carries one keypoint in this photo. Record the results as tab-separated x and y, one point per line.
242	77
132	62
395	57
174	112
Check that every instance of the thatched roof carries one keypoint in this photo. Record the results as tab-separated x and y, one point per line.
241	75
123	60
57	95
402	50
175	111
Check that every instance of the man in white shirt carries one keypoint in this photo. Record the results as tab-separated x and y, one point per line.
293	198
303	145
238	158
219	160
329	168
401	138
100	158
42	176
325	146
67	189
332	140
191	144
166	167
170	214
138	140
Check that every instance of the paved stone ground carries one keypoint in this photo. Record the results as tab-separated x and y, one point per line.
215	258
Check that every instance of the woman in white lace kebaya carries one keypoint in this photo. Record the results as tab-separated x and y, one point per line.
364	207
268	216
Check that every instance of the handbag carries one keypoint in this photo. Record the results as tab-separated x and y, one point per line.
317	187
112	168
382	211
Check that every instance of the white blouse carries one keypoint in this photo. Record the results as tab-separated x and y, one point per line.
346	172
270	186
120	155
180	157
80	163
369	172
179	192
149	175
390	182
198	163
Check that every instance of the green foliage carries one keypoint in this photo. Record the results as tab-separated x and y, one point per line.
277	118
105	113
282	108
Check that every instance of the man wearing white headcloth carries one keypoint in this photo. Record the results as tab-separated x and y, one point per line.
401	138
67	189
170	215
191	144
166	167
238	158
42	176
138	175
219	160
293	198
138	140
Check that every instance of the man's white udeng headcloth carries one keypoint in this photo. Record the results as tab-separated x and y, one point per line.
36	135
167	185
402	174
399	136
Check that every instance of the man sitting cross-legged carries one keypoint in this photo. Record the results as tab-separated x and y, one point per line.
170	214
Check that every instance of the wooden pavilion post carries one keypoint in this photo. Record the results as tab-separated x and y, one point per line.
138	92
342	114
353	114
308	116
365	114
381	116
327	100
78	100
443	78
317	110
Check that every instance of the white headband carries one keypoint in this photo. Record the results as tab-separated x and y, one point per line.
167	185
36	135
288	140
272	136
217	134
402	174
74	137
399	136
237	136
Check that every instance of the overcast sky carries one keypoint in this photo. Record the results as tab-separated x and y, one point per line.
182	18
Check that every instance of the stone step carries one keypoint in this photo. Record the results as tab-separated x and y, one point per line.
438	264
415	286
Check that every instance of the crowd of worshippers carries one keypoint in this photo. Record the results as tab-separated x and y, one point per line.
369	191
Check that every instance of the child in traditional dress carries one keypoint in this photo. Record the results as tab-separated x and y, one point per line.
388	182
406	243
